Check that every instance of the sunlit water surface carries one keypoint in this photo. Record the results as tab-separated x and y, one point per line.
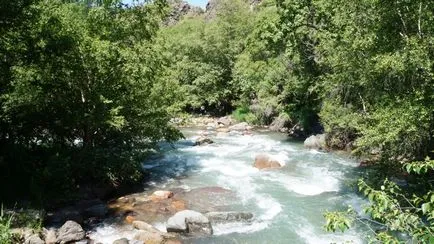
288	203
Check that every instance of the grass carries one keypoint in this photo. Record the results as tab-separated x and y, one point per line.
5	226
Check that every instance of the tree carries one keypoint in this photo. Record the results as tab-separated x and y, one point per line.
85	102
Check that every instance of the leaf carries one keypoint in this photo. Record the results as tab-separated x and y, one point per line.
426	207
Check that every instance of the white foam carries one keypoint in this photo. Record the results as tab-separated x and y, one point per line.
311	236
272	207
230	168
307	186
238	227
107	234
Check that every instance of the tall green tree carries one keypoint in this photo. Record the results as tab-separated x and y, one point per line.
84	101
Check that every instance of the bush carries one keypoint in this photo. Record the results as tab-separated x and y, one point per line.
243	114
240	113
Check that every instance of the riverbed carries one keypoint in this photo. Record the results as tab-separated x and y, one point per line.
288	203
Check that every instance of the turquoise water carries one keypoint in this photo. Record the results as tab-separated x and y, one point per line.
288	203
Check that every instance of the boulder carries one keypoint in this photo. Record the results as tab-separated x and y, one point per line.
203	141
33	239
121	241
316	142
280	124
162	195
149	237
225	121
50	236
70	231
239	127
263	161
224	217
140	225
191	222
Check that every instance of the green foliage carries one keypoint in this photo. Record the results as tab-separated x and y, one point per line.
243	114
201	54
82	100
338	220
5	225
394	210
380	80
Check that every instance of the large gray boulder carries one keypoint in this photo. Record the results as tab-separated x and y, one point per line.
191	222
70	231
224	217
316	142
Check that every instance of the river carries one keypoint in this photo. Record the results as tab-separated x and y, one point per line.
288	203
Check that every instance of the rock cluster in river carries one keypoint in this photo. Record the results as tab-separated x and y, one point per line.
70	232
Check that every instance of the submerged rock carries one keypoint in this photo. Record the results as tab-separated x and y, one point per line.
223	217
203	141
69	232
209	199
191	222
263	161
316	142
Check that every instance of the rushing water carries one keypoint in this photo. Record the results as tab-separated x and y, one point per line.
288	203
